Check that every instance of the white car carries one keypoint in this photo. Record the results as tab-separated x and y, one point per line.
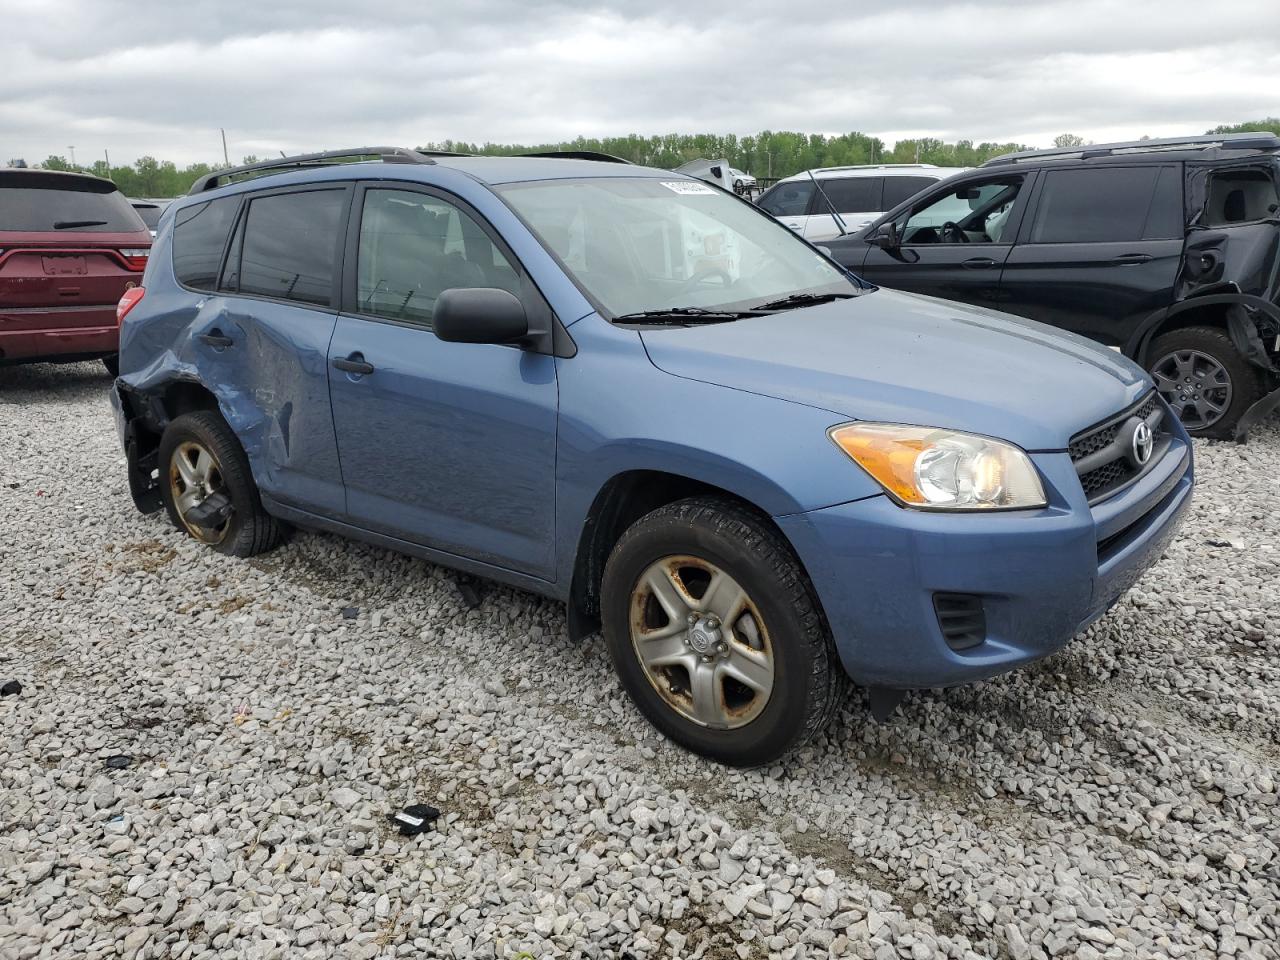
859	194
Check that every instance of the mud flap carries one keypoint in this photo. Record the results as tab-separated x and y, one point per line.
884	701
1267	405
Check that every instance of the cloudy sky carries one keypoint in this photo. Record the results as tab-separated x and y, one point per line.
161	78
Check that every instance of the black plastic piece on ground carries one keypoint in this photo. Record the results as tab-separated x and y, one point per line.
470	594
415	819
350	613
884	701
118	762
10	689
212	513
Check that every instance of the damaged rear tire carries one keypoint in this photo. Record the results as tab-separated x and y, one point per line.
208	488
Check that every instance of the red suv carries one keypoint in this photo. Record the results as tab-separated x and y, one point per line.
70	245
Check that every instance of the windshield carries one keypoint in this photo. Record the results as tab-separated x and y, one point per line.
644	245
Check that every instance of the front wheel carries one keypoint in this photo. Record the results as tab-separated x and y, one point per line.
208	488
1206	381
716	634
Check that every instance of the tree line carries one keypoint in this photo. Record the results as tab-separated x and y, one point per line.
767	154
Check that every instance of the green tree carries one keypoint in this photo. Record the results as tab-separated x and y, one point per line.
1268	125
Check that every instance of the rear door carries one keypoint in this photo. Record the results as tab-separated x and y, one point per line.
1100	251
447	445
790	202
954	241
857	199
264	339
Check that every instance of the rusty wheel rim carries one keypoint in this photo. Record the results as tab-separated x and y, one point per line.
194	476
702	642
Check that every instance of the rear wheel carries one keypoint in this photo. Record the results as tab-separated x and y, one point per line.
208	488
112	363
1206	381
716	635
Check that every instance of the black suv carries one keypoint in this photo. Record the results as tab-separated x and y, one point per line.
1168	250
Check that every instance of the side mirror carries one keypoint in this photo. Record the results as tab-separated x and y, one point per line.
885	236
479	315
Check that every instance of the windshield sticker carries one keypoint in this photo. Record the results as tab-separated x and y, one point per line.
686	186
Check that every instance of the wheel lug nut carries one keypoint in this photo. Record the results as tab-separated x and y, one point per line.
692	618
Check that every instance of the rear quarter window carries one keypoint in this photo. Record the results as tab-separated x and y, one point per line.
199	237
53	203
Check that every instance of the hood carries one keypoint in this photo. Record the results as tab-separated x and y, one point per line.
903	358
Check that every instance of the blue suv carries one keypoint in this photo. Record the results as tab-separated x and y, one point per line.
636	393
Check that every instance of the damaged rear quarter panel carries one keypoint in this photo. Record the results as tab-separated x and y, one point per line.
271	386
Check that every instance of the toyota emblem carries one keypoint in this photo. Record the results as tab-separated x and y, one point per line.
1142	443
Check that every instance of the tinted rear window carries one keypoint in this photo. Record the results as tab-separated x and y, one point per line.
199	237
853	194
49	203
897	189
1106	204
290	246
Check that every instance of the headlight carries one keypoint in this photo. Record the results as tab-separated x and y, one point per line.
936	469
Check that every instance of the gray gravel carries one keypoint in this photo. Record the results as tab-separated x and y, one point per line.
1119	800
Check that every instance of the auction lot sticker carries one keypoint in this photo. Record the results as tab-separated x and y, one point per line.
686	186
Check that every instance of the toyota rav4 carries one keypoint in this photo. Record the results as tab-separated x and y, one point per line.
636	393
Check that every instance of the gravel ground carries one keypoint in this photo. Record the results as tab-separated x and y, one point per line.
1119	800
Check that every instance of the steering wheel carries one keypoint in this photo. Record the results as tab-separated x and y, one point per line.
708	274
951	233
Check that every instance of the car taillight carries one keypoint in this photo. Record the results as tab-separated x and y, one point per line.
132	297
136	257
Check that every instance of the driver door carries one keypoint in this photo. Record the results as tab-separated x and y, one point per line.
955	241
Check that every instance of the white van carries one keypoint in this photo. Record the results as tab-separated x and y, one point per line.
860	194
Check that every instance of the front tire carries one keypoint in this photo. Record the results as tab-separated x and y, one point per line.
1206	381
716	634
202	461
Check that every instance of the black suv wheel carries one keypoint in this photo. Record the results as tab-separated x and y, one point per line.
1204	379
716	634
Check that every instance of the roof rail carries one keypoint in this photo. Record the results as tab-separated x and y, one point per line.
327	158
1227	141
578	155
880	166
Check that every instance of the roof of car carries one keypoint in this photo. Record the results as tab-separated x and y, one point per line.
1208	147
35	176
556	165
877	170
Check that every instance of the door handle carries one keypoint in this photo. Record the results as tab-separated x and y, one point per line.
978	263
1128	258
353	364
216	338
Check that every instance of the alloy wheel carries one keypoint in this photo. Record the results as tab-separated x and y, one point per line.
194	476
702	642
1196	385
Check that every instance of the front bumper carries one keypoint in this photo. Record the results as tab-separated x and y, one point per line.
1043	576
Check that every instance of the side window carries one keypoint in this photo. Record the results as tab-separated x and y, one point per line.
977	212
413	247
199	238
897	189
1094	206
788	199
852	194
290	246
1240	196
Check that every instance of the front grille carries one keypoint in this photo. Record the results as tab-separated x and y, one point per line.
962	619
1102	459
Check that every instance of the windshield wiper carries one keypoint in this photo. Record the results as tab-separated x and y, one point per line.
803	300
685	315
66	224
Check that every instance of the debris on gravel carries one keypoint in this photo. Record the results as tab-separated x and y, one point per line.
1118	800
